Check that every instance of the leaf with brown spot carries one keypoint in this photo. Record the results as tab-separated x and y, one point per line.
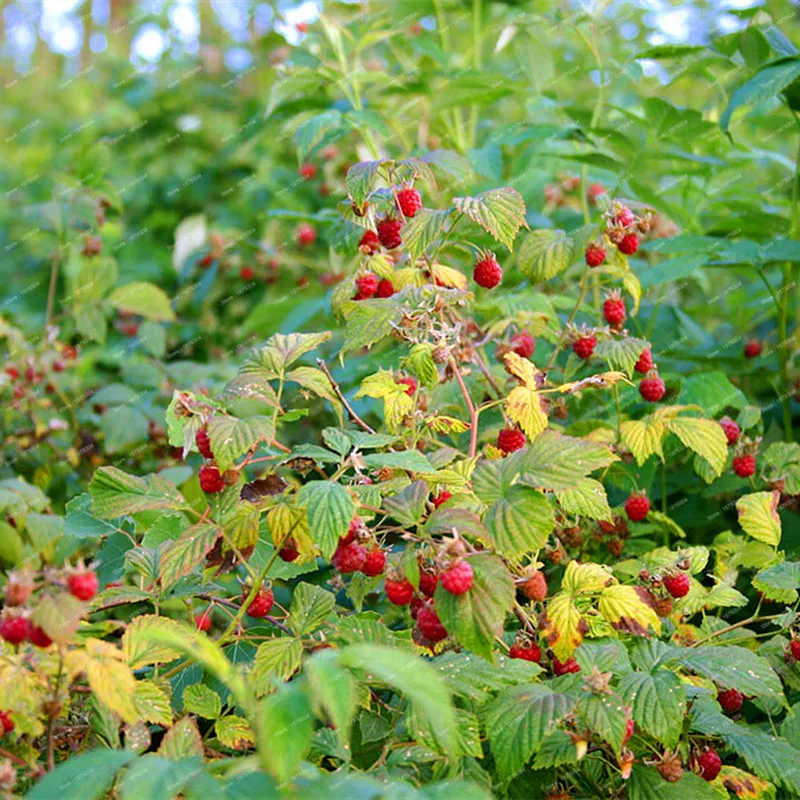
270	486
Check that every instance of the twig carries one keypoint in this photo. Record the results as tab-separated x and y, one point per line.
473	414
740	624
324	367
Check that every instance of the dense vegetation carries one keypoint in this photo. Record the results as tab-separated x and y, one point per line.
408	415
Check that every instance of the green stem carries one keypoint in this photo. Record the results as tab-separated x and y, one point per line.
584	288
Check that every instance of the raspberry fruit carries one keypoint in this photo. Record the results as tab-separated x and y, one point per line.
614	311
349	558
652	389
624	217
428	582
535	588
352	531
708	764
410	384
487	272
14	628
389	233
12	373
637	507
523	344
247	273
59	365
6	723
306	235
429	624
374	563
369	243
308	171
385	289
628	730
83	584
261	604
399	592
629	244
289	552
531	652
441	499
731	429
677	585
366	286
744	466
211	481
18	588
564	668
511	439
752	348
793	651
584	346
663	606
731	700
203	443
595	190
39	638
595	255
409	202
458	578
202	621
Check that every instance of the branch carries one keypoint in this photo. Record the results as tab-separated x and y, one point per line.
324	367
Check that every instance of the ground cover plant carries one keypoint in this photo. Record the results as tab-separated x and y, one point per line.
408	414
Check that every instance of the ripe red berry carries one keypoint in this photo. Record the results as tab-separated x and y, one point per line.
678	584
352	531
708	764
385	288
487	272
531	652
6	723
70	352
441	498
202	621
535	588
523	344
595	255
289	552
306	234
458	578
629	244
652	389
628	730
14	628
261	604
369	243
752	348
12	372
731	429
637	507
794	649
349	558
206	261
564	668
595	190
211	480
624	217
428	581
389	233
510	439
645	362
203	443
410	383
59	365
583	346
301	27
614	311
409	201
429	624
374	562
247	273
416	605
366	286
83	584
744	466
731	700
399	592
308	171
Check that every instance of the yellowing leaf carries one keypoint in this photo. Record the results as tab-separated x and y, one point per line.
109	677
704	437
563	627
141	651
759	518
625	608
600	381
181	741
745	785
587	499
643	438
521	368
447	276
396	402
284	519
235	733
583	578
448	425
152	703
524	406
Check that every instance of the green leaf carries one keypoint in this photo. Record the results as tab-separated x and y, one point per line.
184	554
713	392
604	715
368	322
622	354
284	730
234	732
758	516
408	506
704	437
311	132
158	778
145	299
500	212
420	362
330	509
412	460
115	494
281	351
231	438
764	85
82	777
658	703
646	783
276	658
670	51
310	606
544	254
360	181
200	700
333	690
425	228
587	499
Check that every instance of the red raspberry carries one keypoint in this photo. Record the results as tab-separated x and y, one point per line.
6	723
584	346
595	255
531	652
458	578
628	730
203	443
308	171
129	328
14	629
708	764
441	498
19	587
83	584
731	429
645	362
206	261
511	439
629	244
410	383
247	273
389	233
570	665
31	376
488	272
374	562
70	352
366	286
416	605
202	621
211	481
349	558
330	152
651	389
624	218
614	311
261	604
523	344
793	651
19	392
429	624
385	288
731	700
677	585
289	552
306	235
301	27
744	466
637	507
12	372
595	190
399	592
752	348
369	243
409	201
352	531
428	581
535	588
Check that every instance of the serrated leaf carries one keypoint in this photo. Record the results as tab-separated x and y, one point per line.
704	437
181	741
330	509
420	362
587	499
408	505
199	699
360	181
334	690
311	132
427	225
140	649
759	518
284	730
524	406
315	380
231	438
544	254
563	627
368	322
115	494
500	212
658	703
59	615
643	438
520	522
626	608
646	783
235	733
309	608
184	554
396	402
152	704
91	774
604	715
142	298
622	354
276	658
